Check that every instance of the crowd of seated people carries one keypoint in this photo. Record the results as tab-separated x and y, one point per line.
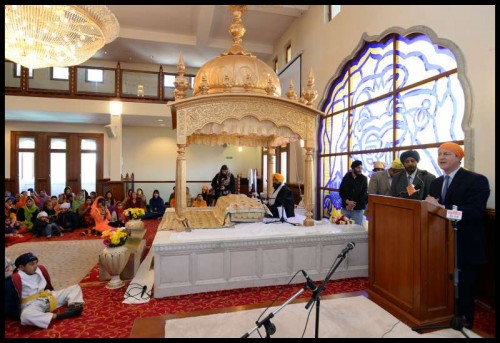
45	215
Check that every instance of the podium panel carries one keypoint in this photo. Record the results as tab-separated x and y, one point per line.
410	259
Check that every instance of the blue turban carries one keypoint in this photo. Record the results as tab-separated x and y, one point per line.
409	153
24	259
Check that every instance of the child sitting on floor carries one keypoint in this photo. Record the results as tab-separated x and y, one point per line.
37	296
45	228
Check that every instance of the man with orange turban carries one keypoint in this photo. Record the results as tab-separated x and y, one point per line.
468	191
282	196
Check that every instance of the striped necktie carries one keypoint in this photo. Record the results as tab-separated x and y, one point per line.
445	187
409	180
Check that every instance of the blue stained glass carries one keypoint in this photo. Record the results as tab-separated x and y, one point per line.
429	113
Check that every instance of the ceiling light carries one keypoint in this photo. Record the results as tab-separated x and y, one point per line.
41	36
115	107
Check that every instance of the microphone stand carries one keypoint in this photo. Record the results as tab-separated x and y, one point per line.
282	219
270	327
457	322
316	296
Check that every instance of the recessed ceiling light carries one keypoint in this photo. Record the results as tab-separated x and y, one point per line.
160	119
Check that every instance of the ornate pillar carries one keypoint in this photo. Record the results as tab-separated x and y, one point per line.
308	187
270	170
180	186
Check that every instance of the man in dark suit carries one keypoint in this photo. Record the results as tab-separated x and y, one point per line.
414	183
282	196
468	191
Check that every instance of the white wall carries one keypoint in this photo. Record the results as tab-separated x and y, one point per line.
151	154
325	46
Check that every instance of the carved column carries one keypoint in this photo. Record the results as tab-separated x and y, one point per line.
180	183
270	170
308	187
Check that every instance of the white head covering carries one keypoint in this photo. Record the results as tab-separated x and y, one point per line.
42	214
65	205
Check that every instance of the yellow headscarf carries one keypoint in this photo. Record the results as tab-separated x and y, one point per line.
279	177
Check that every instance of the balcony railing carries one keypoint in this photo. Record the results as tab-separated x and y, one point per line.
117	83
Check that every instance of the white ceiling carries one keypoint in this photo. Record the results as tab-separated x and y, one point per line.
159	33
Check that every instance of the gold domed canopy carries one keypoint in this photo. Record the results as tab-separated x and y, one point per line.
237	74
237	100
236	71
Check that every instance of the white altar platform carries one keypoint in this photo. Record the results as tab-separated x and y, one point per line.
254	255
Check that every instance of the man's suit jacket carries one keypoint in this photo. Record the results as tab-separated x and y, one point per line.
422	180
285	199
469	191
379	183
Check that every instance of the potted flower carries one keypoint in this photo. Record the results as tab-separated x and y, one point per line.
134	223
115	255
115	237
134	213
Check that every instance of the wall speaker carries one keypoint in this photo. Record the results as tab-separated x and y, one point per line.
110	131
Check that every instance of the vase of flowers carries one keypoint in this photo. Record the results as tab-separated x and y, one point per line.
134	223
115	255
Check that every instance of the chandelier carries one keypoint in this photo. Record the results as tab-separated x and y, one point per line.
41	36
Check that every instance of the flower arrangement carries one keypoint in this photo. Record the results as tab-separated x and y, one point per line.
115	237
134	213
336	217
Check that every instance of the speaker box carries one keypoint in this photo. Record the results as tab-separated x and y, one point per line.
110	131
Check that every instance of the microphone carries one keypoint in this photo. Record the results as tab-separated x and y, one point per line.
310	283
349	247
144	289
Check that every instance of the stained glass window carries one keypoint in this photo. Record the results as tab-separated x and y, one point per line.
396	94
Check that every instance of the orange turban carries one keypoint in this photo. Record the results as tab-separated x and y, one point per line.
280	178
454	148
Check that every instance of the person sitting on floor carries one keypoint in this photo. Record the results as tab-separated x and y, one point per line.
118	216
84	217
135	202
11	300
67	218
38	299
199	202
156	207
101	216
45	228
27	214
282	196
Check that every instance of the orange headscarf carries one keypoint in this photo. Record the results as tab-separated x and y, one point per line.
454	148
101	224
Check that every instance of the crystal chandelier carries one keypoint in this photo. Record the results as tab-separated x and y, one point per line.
41	36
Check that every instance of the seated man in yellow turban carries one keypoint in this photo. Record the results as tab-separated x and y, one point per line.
282	196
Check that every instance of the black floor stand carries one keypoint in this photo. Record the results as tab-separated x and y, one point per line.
458	321
266	322
282	219
316	296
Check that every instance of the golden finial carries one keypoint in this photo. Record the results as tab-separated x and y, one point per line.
237	30
291	93
270	88
310	94
181	82
204	84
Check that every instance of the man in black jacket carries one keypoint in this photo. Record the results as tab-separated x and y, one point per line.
354	193
282	196
468	191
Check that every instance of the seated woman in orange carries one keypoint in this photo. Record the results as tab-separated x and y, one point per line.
101	215
199	202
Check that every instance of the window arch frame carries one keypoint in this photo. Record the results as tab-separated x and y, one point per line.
358	50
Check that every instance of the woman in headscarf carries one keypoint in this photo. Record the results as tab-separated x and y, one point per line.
27	214
101	215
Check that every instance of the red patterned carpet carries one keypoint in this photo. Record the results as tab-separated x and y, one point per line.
105	316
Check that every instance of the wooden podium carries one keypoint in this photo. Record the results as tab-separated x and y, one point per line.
411	260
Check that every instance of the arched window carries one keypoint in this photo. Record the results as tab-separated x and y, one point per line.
397	93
